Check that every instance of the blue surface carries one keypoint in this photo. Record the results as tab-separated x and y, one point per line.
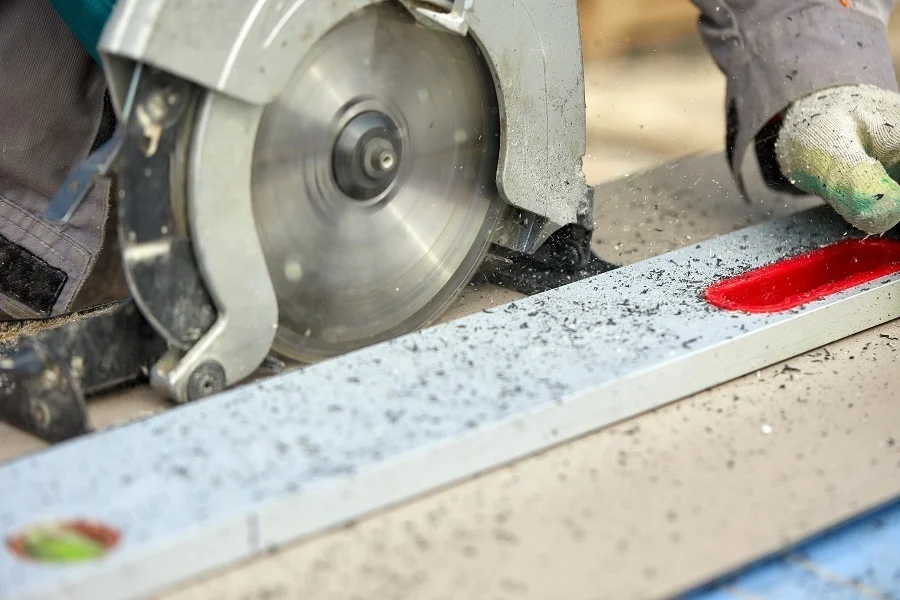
858	561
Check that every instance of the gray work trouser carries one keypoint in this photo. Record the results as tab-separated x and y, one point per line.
53	111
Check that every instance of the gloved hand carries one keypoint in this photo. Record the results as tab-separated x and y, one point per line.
843	144
86	19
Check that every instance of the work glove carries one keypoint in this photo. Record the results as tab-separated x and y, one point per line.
86	19
843	144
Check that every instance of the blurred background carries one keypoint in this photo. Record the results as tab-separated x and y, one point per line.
652	91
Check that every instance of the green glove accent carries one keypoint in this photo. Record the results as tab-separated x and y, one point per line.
843	144
86	19
61	545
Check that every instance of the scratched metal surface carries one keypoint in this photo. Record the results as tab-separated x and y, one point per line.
207	484
857	561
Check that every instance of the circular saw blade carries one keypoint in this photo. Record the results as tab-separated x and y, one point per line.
351	268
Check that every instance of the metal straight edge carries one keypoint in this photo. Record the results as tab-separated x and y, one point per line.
211	483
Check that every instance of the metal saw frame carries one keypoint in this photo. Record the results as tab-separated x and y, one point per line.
238	61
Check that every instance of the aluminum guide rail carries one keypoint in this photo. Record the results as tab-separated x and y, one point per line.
210	483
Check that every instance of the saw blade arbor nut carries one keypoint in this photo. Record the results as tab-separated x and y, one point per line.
379	158
367	155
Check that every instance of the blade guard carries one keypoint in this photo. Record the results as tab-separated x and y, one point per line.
250	50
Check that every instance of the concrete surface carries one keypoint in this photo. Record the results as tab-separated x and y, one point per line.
642	510
646	509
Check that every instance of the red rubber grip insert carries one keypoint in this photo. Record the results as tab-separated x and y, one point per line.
797	280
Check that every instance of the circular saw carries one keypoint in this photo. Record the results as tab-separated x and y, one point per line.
303	179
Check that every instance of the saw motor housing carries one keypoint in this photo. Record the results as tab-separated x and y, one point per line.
191	251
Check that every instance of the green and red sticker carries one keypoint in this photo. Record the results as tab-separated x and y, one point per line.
63	541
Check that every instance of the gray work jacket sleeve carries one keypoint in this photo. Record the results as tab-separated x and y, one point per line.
774	52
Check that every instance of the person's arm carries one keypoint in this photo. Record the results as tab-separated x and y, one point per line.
777	52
